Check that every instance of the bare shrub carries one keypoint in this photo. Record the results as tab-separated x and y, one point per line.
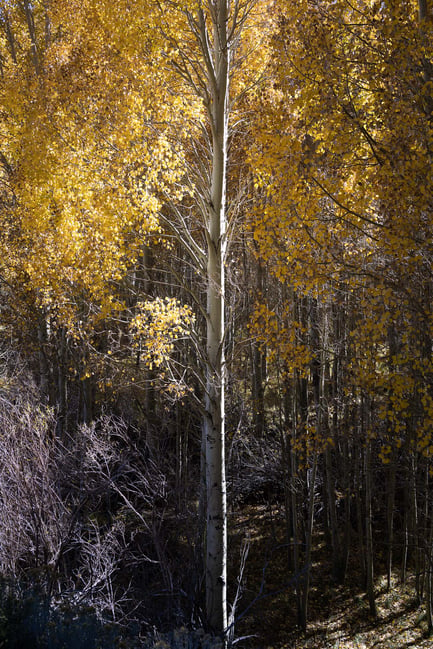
33	518
89	518
119	492
255	471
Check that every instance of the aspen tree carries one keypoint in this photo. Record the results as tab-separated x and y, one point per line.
210	55
205	67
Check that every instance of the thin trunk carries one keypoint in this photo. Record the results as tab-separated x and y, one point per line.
10	36
413	521
87	400
294	504
294	507
347	510
308	545
317	375
289	413
390	515
394	348
144	285
335	540
405	547
32	33
359	517
216	26
216	529
369	531
258	371
339	557
258	357
47	23
341	413
44	373
424	537
61	384
285	461
422	10
429	576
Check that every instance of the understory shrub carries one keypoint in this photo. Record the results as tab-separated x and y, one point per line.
28	620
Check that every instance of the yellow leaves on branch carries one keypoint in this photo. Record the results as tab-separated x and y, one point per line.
343	146
89	140
282	337
156	327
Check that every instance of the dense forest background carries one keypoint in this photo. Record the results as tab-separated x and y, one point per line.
216	299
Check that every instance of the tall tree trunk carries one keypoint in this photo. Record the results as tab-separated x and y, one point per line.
258	363
32	33
308	544
216	27
337	568
358	455
422	10
345	550
429	575
47	23
369	523
338	562
394	348
9	35
61	384
292	525
216	527
390	514
294	508
413	526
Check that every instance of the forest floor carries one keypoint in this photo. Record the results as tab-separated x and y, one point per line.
338	615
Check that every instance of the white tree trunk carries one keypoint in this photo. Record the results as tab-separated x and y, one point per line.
216	27
216	523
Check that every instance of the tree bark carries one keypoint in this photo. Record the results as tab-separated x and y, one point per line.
429	576
32	34
215	26
368	519
214	428
308	544
390	515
